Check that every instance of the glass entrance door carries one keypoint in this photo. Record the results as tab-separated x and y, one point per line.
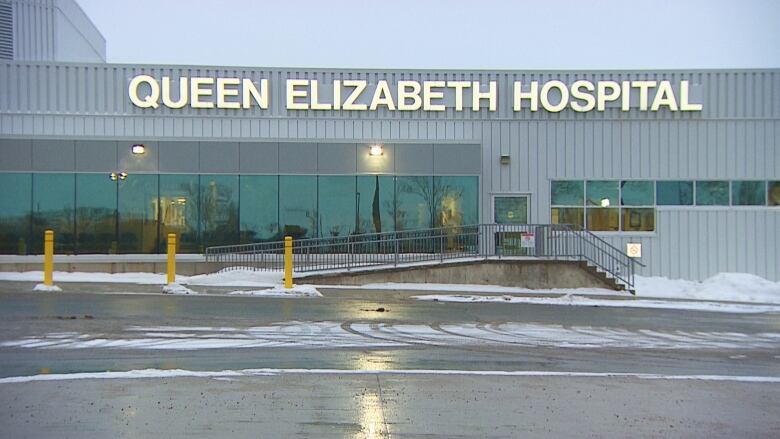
511	210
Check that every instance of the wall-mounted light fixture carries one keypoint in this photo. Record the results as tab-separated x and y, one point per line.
504	159
138	149
376	150
118	176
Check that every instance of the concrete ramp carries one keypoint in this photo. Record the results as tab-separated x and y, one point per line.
525	273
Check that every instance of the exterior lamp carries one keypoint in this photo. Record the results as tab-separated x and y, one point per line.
122	175
375	150
113	176
138	149
605	202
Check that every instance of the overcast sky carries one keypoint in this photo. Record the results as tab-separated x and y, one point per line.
478	34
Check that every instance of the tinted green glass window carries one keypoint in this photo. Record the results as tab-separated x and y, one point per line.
376	197
602	193
567	193
638	219
605	219
95	213
455	201
712	193
510	210
15	208
138	214
53	208
748	193
568	215
414	203
337	205
298	205
773	195
179	209
219	209
637	193
674	193
259	208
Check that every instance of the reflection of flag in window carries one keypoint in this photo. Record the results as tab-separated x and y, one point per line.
375	208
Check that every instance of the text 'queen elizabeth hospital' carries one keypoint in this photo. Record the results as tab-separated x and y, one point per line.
113	157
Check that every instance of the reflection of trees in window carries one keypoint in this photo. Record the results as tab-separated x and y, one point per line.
442	202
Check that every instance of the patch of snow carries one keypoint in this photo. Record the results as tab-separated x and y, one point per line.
279	291
572	300
473	288
48	288
177	289
232	374
237	277
733	287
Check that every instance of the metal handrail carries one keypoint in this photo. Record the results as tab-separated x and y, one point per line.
546	241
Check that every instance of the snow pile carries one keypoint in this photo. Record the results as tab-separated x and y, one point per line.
279	291
49	288
732	287
236	277
177	289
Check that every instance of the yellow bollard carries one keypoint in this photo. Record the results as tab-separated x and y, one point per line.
171	258
48	257
288	261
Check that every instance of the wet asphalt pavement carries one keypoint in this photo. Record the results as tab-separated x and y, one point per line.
376	405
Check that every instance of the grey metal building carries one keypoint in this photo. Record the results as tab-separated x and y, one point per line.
685	163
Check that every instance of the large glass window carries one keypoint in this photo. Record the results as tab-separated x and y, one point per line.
337	206
636	193
602	193
456	201
15	207
773	193
602	219
568	193
748	193
414	202
712	193
298	205
674	193
179	209
138	214
376	199
259	210
219	209
96	213
510	210
638	219
53	208
568	215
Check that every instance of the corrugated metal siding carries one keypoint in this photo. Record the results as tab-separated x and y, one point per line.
34	30
737	136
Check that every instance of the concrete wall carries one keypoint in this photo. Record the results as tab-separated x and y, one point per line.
519	273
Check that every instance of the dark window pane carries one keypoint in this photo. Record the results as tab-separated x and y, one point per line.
568	215
674	193
259	208
15	204
602	193
376	195
337	205
53	202
414	202
638	220
568	193
138	214
748	193
603	219
773	198
456	200
219	209
712	193
179	204
95	213
298	205
637	193
511	210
